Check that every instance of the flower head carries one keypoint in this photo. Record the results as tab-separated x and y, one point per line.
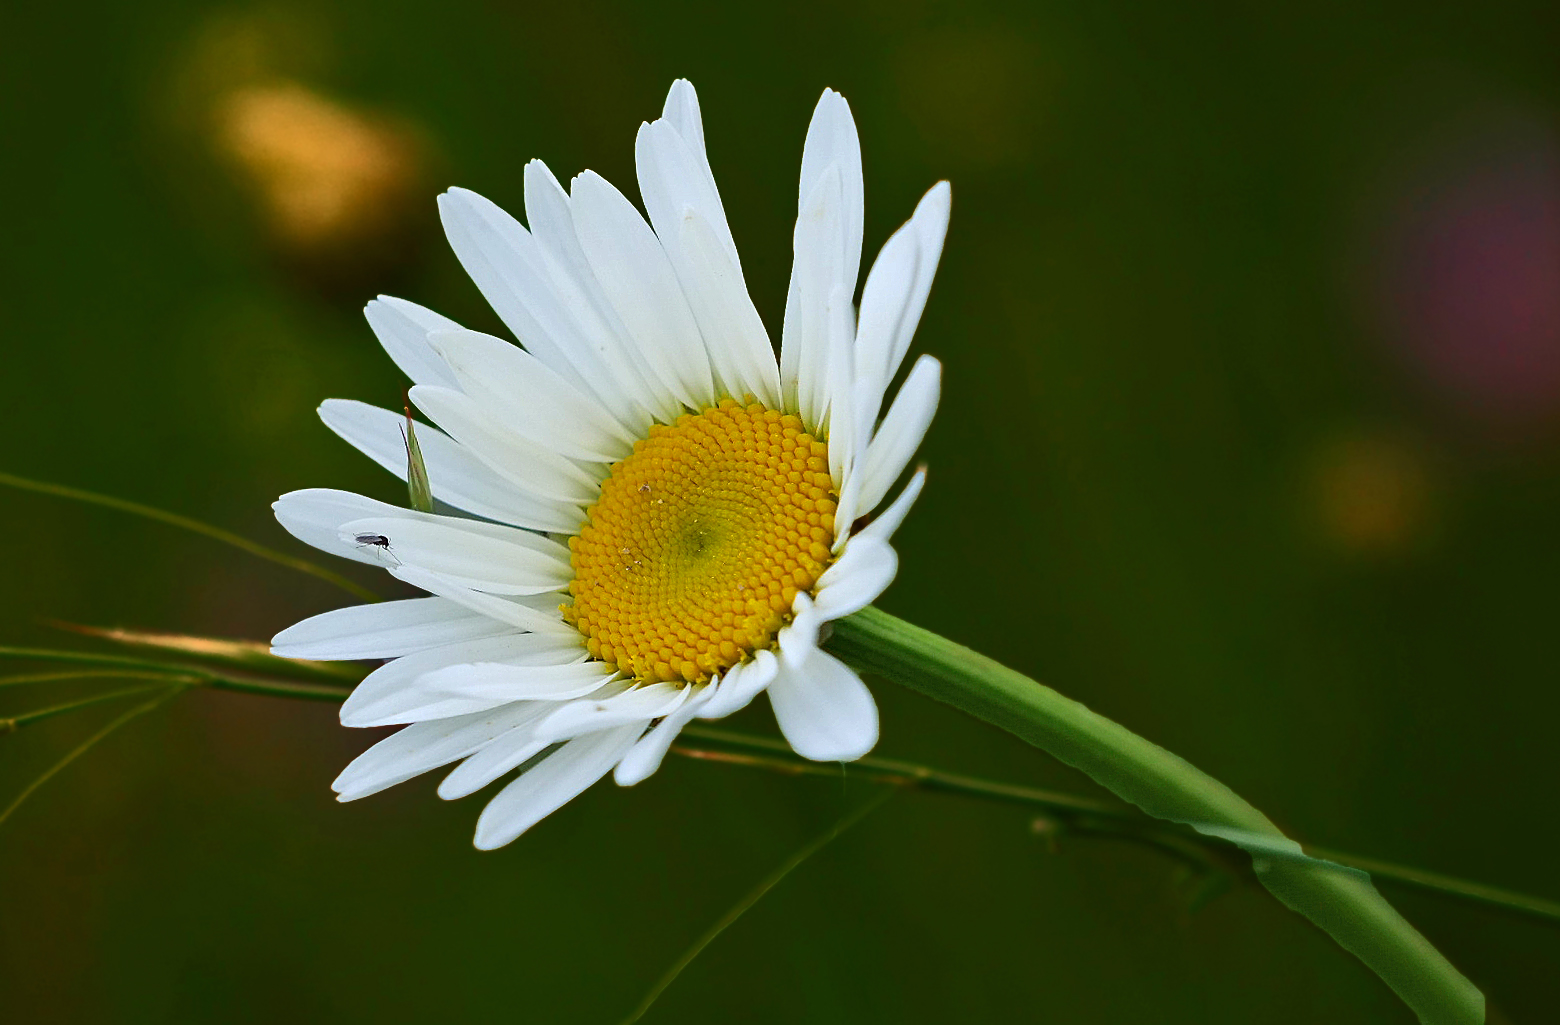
649	518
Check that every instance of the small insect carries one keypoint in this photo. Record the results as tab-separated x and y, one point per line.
372	540
644	489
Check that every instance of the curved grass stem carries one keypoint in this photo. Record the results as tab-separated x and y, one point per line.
1080	815
13	723
244	682
85	746
753	896
194	526
1084	817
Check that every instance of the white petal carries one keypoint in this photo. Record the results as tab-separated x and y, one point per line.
551	783
861	573
674	179
419	748
682	111
740	352
602	352
645	756
531	612
315	516
456	476
503	754
685	208
469	552
386	694
385	629
530	398
799	638
824	710
331	521
542	301
500	681
638	280
894	444
818	273
588	715
402	328
886	522
844	445
930	221
884	303
501	257
832	142
827	246
895	294
740	686
529	467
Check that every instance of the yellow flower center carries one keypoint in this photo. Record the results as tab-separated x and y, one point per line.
691	558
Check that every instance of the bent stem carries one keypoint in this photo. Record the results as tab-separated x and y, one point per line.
1336	897
1339	900
1081	816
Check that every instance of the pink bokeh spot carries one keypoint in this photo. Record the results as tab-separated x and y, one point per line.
1472	278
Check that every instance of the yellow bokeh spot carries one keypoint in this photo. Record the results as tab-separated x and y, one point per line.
321	169
690	560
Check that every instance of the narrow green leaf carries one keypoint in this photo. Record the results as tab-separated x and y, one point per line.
418	489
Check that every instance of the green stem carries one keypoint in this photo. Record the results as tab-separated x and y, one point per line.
84	658
1078	813
1062	813
1085	817
1447	886
27	679
249	656
1340	901
277	688
197	674
752	897
85	746
16	722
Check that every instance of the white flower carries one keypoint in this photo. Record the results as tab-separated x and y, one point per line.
664	516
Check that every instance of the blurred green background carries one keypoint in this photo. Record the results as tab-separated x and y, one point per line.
1251	327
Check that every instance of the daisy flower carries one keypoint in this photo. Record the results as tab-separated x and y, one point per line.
646	518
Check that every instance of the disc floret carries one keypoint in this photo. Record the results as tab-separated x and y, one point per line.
691	559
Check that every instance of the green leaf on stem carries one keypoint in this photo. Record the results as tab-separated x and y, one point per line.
419	491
